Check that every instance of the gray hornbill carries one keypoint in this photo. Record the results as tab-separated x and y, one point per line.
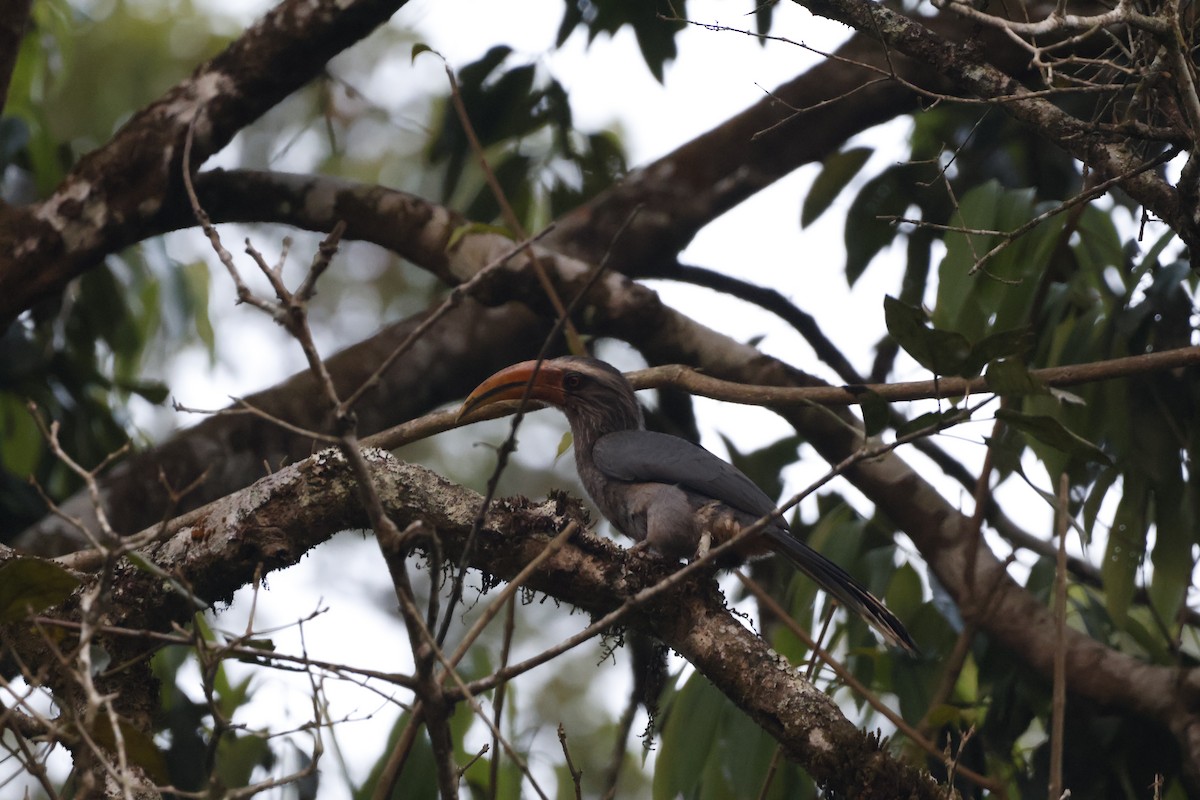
663	491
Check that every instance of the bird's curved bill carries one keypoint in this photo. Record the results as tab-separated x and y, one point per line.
528	380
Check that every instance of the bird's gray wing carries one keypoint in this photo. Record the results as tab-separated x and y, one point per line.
639	456
645	456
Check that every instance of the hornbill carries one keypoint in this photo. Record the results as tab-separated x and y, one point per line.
663	491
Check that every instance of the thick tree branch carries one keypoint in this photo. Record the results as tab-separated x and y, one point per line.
108	198
275	522
229	450
616	307
631	312
966	67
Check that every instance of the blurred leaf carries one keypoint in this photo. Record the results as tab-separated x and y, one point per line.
600	162
1010	377
471	228
905	594
875	412
1099	244
940	352
194	286
689	735
837	171
655	35
21	444
564	445
31	585
231	697
998	296
1100	486
420	770
1002	344
237	756
1142	626
421	47
889	194
139	746
763	15
1126	548
1048	430
765	465
515	175
1171	556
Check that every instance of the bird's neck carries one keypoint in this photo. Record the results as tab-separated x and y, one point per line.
586	430
588	425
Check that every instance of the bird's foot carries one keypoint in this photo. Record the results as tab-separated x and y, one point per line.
704	545
639	546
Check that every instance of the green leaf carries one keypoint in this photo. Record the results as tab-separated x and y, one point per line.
765	465
1126	547
462	231
421	47
231	697
238	755
1050	431
688	738
940	352
1174	519
1002	344
999	295
30	585
1010	377
564	445
139	746
887	195
655	34
196	280
1091	506
837	171
875	412
20	439
905	594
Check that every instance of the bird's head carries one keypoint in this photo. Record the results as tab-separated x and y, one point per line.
589	391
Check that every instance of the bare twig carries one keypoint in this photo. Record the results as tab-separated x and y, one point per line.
1059	703
574	343
576	773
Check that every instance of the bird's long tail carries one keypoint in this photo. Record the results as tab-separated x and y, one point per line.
841	585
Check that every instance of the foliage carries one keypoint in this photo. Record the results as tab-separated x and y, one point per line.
993	267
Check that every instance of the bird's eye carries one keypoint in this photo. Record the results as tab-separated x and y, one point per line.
573	381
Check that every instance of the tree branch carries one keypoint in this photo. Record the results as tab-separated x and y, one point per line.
109	197
965	67
272	524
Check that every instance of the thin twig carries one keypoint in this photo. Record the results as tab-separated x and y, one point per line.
509	444
574	343
1059	701
575	772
